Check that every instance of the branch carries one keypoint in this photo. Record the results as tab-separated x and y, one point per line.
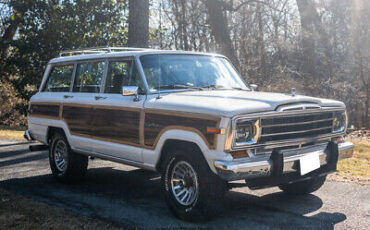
230	7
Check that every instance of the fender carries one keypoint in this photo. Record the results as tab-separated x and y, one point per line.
152	156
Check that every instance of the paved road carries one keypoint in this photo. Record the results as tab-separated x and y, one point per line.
131	197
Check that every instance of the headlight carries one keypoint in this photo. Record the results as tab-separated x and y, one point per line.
247	132
339	121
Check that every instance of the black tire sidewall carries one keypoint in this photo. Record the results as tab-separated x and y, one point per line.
199	210
167	185
56	172
76	163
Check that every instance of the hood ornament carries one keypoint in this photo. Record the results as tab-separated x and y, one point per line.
293	92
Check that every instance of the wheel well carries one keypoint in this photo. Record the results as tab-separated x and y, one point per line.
172	143
51	131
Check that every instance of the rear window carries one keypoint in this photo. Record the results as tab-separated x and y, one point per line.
59	79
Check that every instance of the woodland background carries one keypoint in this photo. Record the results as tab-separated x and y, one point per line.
319	47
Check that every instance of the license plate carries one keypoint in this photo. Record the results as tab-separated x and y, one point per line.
309	162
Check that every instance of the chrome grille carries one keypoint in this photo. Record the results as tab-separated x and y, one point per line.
295	126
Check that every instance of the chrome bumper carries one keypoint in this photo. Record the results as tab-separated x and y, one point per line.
261	166
27	136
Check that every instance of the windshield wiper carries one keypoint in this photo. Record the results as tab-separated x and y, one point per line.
213	86
238	88
175	86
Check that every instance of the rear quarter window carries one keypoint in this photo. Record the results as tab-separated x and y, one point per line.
59	79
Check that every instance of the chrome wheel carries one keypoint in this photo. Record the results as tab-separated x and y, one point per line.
61	155
184	183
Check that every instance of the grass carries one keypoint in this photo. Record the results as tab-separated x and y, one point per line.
18	212
12	133
358	166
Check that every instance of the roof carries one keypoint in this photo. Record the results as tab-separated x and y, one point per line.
109	52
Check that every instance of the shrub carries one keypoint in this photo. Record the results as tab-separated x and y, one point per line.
11	106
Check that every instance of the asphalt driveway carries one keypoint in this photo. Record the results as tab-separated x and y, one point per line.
131	197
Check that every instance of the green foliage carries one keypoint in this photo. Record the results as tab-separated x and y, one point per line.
9	106
49	27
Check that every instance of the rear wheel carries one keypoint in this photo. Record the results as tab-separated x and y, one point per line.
66	165
192	191
303	187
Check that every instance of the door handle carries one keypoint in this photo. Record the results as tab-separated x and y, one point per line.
99	97
67	96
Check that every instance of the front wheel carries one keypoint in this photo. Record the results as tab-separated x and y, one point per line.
303	187
192	191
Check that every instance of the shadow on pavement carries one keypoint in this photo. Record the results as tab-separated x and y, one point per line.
16	143
13	153
133	198
33	157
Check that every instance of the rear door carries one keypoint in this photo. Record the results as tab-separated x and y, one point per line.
78	104
116	117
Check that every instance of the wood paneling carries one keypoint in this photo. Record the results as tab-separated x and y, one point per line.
44	110
156	123
130	126
117	124
78	118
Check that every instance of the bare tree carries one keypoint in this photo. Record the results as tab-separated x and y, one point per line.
220	29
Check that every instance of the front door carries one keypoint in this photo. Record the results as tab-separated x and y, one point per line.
116	121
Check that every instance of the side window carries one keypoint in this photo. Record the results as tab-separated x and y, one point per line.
88	77
59	79
122	73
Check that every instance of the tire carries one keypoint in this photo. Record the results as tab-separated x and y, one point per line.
204	190
66	165
303	187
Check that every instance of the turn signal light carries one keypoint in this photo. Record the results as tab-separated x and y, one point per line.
214	130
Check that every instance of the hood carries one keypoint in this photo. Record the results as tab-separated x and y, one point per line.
229	103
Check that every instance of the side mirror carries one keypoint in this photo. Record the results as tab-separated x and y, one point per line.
253	87
131	91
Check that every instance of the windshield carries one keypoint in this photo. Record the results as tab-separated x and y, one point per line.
190	71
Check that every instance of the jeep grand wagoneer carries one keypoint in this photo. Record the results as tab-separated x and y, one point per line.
189	116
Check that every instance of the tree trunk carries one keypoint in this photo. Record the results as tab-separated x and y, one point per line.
261	45
220	30
138	28
308	44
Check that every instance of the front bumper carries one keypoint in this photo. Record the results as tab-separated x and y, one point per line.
264	166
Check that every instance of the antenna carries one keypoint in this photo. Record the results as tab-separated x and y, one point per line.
159	77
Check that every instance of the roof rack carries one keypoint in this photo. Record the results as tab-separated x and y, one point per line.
97	50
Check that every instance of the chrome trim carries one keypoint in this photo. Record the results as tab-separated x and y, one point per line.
257	135
296	123
236	119
229	138
130	91
254	167
114	159
298	107
345	125
293	132
346	150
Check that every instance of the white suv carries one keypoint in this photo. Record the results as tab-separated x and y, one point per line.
189	116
